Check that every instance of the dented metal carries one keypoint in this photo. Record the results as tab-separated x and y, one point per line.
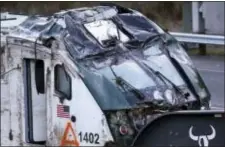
107	68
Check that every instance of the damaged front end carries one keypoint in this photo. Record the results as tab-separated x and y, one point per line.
134	70
131	93
136	73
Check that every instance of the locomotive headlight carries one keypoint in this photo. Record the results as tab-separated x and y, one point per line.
121	127
203	108
158	95
169	96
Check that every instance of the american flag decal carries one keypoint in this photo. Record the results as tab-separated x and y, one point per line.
63	111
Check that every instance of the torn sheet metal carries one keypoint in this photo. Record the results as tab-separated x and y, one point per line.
104	41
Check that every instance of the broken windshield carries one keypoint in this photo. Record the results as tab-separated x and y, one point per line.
139	26
103	30
130	72
177	52
126	68
158	61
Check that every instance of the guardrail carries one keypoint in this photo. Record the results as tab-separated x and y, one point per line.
199	38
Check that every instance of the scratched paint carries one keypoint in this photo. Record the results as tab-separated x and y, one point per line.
13	100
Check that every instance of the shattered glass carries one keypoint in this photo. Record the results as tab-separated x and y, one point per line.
185	62
137	25
108	30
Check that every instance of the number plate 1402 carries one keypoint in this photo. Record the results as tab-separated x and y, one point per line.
89	137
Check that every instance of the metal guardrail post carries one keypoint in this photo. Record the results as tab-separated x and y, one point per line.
198	24
202	47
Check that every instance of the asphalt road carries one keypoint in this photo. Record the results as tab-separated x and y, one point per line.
211	68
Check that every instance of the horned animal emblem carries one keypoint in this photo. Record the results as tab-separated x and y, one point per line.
204	138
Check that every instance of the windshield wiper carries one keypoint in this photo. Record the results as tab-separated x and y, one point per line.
120	81
99	54
163	78
150	39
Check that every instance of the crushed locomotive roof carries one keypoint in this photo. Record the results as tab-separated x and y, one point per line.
73	26
111	47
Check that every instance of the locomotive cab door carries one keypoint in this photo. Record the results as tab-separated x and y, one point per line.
35	101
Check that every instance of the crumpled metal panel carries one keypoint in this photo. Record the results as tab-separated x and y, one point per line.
68	27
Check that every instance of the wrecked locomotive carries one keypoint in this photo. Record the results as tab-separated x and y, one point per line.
91	76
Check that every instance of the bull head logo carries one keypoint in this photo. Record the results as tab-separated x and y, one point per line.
203	138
